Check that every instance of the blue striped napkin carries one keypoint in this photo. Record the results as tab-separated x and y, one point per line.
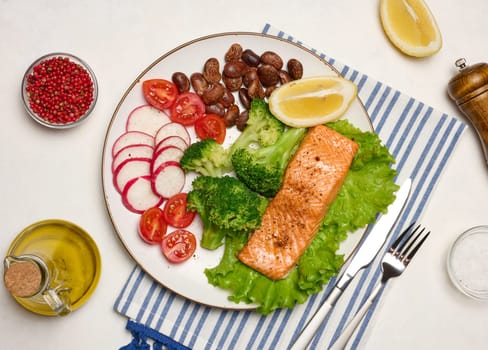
421	139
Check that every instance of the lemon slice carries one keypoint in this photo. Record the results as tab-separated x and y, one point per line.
312	101
411	27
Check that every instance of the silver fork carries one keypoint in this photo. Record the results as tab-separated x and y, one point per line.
394	262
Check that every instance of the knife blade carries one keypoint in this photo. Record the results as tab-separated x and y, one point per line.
361	257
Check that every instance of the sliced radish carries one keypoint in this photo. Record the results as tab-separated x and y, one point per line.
146	119
131	169
168	179
138	195
132	138
131	152
172	141
172	129
166	154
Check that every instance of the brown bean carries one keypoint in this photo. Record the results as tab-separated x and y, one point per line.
269	90
295	68
244	98
255	90
213	94
234	53
251	74
211	70
235	69
199	83
250	58
231	115
181	81
268	75
227	99
242	119
217	108
284	76
233	84
271	58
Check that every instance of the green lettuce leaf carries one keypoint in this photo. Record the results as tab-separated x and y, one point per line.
368	190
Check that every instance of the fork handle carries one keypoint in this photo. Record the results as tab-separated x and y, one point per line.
351	327
308	333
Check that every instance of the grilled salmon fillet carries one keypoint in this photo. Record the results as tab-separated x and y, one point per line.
311	182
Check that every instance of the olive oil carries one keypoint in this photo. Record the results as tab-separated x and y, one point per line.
72	259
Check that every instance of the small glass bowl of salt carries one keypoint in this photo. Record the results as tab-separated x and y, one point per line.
467	262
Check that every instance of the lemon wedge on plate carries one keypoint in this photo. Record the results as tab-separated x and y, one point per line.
411	27
312	101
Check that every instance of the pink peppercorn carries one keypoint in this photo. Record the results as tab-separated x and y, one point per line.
59	90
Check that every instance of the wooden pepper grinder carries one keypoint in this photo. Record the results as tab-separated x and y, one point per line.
469	89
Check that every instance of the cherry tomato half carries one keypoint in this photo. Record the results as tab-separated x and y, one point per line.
152	227
211	126
160	93
187	108
179	245
175	213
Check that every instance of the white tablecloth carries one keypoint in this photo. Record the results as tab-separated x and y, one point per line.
49	174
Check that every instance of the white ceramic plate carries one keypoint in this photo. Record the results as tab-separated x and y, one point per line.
188	279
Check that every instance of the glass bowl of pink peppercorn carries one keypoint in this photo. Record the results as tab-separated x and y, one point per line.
59	90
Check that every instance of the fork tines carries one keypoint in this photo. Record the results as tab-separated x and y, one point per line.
404	246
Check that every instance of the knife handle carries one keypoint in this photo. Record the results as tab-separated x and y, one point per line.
308	332
351	327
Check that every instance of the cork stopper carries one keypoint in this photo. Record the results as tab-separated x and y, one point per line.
23	278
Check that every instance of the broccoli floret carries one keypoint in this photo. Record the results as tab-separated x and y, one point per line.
226	206
206	157
262	128
262	169
212	236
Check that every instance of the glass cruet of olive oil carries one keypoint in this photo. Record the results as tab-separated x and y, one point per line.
52	267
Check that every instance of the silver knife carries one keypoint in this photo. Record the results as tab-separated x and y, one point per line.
362	257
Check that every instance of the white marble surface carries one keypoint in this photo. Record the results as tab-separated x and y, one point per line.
49	174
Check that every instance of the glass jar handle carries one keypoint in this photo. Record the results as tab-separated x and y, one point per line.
56	302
